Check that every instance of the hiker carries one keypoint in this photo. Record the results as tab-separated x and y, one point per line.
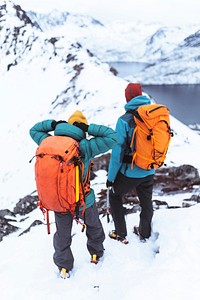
103	139
122	178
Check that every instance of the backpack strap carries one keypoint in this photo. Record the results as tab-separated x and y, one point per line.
135	113
128	159
149	134
45	213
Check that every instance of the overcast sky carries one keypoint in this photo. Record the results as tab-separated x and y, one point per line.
170	11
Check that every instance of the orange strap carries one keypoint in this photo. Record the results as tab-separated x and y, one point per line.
45	212
135	152
133	135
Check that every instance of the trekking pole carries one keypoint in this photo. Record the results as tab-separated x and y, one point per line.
108	206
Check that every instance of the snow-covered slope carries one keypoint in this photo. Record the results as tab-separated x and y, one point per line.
47	75
44	76
127	271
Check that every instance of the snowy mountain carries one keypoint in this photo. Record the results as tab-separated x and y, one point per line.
171	53
44	77
50	76
165	49
48	69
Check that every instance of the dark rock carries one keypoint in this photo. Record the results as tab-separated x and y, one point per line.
114	71
176	178
101	162
6	228
26	205
195	198
186	204
35	223
159	204
6	212
170	180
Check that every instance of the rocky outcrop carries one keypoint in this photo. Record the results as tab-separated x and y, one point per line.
26	205
168	181
5	227
176	179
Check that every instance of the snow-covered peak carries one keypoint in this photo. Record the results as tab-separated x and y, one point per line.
57	19
49	76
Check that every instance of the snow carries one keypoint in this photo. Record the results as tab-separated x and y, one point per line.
166	267
160	45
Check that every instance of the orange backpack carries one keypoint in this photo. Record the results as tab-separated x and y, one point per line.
151	136
58	175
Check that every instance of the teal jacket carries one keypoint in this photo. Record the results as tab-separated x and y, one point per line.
124	128
104	138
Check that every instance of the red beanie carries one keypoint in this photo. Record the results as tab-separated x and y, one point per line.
133	90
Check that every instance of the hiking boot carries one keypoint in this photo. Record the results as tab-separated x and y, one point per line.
137	232
112	234
64	273
94	259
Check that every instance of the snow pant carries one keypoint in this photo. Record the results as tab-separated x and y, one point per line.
63	256
144	189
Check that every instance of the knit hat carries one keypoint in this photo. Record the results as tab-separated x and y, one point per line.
77	116
132	90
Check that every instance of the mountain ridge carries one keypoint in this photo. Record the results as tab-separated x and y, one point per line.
49	77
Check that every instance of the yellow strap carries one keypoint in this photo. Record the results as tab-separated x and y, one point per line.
77	183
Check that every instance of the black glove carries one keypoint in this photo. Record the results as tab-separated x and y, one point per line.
54	123
109	183
82	126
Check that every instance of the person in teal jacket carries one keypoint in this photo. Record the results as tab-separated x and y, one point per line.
122	178
104	138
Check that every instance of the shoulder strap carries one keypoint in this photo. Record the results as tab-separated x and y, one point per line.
135	114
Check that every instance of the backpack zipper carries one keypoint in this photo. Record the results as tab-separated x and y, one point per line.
156	108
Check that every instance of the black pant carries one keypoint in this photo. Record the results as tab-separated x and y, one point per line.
144	188
63	256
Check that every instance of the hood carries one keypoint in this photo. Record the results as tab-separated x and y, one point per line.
136	102
66	129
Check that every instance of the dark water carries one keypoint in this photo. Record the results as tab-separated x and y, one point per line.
182	100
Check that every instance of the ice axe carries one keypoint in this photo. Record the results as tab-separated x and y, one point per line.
108	205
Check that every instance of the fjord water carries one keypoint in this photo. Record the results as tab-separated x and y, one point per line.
183	100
